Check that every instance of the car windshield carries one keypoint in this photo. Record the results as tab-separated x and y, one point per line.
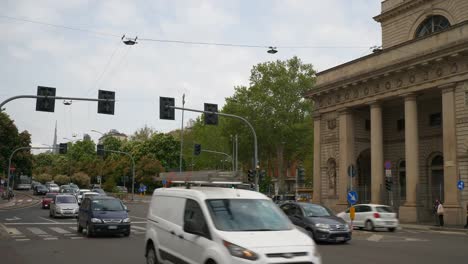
107	205
314	210
247	215
41	187
384	209
65	199
53	185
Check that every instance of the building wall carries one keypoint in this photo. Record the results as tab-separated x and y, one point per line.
401	28
329	150
461	108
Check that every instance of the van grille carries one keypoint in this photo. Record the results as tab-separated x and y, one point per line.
111	221
286	255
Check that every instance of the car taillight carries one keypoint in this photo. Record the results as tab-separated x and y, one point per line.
376	215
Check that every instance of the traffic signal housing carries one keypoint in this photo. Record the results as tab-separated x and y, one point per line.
196	149
165	111
211	119
106	107
63	148
251	176
301	175
100	150
388	183
45	104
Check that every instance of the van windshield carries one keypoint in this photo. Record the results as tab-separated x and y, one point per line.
247	215
107	205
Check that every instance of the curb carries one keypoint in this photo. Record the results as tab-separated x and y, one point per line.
433	228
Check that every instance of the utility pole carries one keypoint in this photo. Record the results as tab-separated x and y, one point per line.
182	134
237	161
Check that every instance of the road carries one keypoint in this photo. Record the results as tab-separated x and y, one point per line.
28	235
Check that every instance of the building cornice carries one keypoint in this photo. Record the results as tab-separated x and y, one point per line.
401	8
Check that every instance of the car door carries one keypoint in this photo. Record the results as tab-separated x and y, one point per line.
83	213
194	246
366	212
297	216
358	216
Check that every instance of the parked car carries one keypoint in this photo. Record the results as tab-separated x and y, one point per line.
222	225
319	221
47	200
40	190
67	190
99	190
103	214
52	187
79	195
34	184
371	216
121	189
64	205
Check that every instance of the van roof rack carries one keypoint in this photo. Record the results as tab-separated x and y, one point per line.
203	178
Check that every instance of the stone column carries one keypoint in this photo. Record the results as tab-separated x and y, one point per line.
451	203
346	127
408	212
377	166
316	198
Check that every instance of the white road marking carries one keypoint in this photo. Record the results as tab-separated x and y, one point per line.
50	238
74	228
76	238
20	201
29	200
59	230
143	218
48	219
13	231
450	233
140	222
23	239
138	227
375	238
37	231
415	239
55	223
13	219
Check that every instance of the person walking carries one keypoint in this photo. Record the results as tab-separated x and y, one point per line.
440	213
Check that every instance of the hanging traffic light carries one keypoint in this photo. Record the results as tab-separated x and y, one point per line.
196	149
100	150
45	104
165	111
211	119
63	148
106	107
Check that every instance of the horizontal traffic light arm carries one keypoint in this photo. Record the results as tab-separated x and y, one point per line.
53	97
217	152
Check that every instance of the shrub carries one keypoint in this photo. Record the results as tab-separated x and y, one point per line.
109	185
81	179
61	179
43	178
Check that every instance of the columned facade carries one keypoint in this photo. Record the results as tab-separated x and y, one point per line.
346	146
316	197
377	161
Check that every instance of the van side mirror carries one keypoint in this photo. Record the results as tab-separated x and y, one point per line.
192	228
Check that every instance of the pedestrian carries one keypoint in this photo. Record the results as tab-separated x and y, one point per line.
434	212
466	226
440	213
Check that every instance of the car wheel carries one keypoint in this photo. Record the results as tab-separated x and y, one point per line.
79	228
127	233
151	256
369	225
391	229
311	234
88	232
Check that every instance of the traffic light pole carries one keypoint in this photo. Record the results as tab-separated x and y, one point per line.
11	156
133	167
238	117
217	152
53	97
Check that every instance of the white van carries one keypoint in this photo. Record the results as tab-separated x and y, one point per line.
212	225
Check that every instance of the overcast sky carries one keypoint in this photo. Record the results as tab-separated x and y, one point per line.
79	63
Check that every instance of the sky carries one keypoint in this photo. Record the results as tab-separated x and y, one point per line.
80	62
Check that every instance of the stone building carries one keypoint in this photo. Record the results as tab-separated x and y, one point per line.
406	103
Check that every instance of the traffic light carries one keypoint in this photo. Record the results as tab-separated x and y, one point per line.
165	112
211	119
196	149
100	150
106	107
388	183
63	148
251	176
300	175
261	176
45	104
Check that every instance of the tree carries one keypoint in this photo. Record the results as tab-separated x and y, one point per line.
274	104
147	169
143	133
81	179
61	179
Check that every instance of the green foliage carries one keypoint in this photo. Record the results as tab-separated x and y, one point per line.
148	169
110	185
43	178
144	133
81	179
61	179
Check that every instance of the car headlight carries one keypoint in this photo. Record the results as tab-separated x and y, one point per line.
126	220
325	227
96	220
240	252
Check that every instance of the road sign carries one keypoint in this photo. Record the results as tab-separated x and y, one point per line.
352	213
388	173
99	179
388	164
351	171
460	185
352	197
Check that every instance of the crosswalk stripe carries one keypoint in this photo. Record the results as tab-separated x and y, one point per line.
23	239
76	238
37	231
59	230
50	238
138	227
13	231
74	228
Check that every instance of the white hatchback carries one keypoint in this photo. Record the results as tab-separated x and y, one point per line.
222	226
371	216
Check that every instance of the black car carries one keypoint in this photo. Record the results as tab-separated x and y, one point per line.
320	222
103	214
40	190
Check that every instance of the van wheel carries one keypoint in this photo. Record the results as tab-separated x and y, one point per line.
369	225
151	256
211	262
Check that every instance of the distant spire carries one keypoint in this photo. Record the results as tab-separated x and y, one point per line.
55	151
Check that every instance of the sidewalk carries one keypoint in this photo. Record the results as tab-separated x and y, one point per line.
5	203
434	227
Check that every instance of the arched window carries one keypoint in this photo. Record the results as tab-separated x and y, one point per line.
431	25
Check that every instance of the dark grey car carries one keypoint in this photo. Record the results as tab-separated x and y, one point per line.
320	222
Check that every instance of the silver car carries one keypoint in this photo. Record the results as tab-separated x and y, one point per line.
64	205
52	187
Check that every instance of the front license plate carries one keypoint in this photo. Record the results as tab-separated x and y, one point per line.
340	239
112	227
389	223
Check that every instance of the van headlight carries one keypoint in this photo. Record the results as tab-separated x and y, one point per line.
96	220
126	220
240	252
322	227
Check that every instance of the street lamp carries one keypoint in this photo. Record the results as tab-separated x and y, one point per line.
92	130
71	140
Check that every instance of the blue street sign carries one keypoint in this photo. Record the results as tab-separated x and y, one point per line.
388	164
351	171
460	185
352	197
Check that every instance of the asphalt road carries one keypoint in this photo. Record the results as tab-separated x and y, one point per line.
28	235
